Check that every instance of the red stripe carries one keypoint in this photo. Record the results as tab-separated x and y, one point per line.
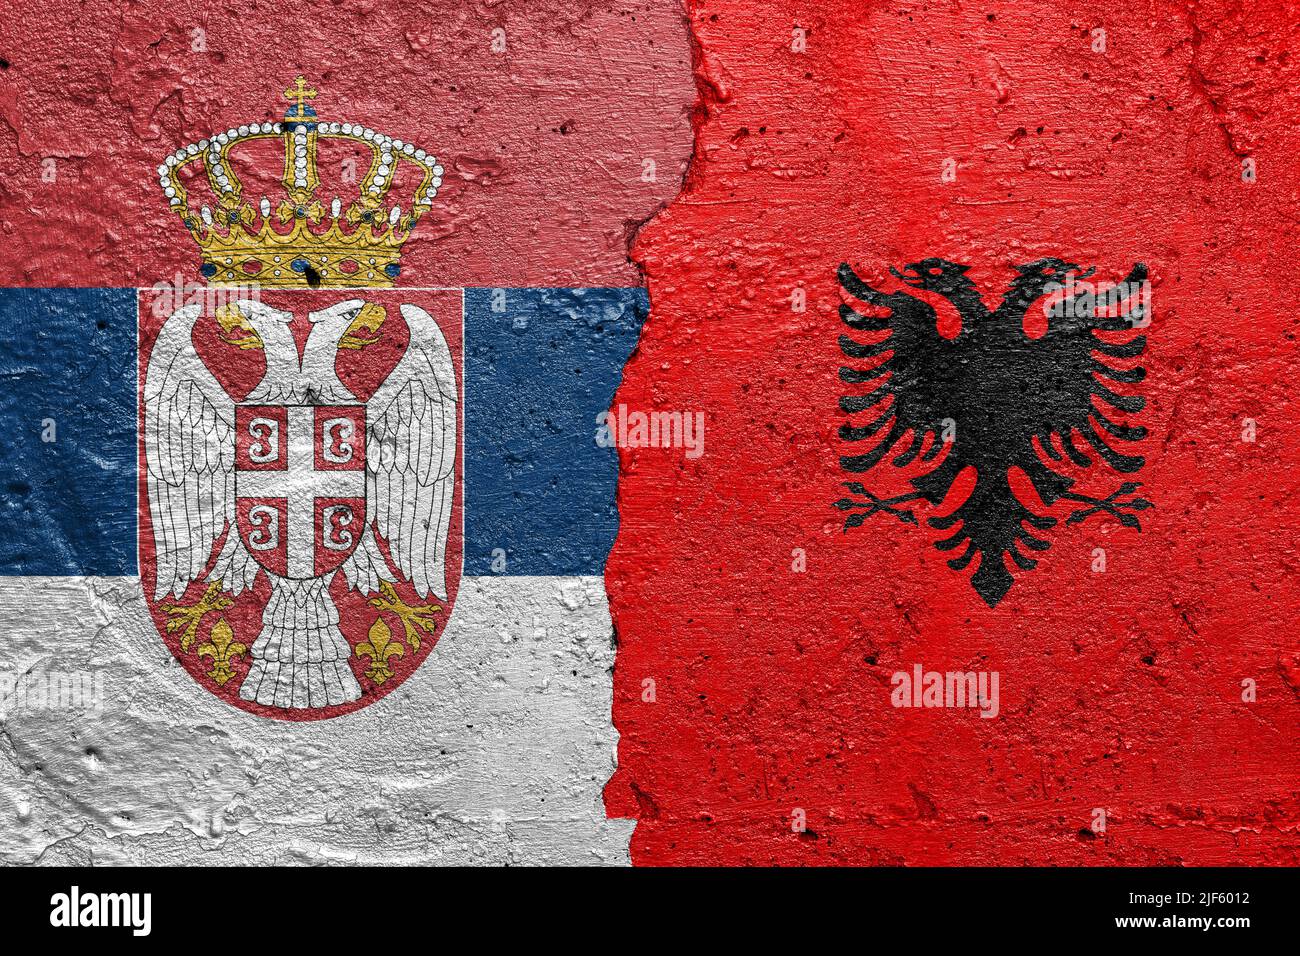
543	143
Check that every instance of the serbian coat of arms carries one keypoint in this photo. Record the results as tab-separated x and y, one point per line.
300	533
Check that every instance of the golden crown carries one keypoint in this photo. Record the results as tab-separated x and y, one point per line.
301	243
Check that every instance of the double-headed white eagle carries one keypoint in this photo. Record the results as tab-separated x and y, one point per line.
300	658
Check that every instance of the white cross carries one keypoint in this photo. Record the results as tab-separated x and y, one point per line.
301	485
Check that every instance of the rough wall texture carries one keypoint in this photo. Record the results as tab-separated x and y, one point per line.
494	752
1149	713
873	133
544	137
561	128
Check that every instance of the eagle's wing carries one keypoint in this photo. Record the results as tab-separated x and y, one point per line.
1076	387
411	462
918	372
189	443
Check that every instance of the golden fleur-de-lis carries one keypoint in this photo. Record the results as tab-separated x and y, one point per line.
379	647
190	616
414	617
222	648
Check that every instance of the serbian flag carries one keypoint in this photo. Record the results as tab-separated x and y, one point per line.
315	319
988	556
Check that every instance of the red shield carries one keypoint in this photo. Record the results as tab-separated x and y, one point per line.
270	425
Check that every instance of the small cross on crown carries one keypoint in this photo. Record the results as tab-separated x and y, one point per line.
299	93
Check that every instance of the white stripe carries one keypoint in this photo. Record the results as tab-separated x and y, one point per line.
494	751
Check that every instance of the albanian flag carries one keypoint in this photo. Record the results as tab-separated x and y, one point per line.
987	553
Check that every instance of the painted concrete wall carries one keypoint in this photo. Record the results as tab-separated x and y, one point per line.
744	643
494	752
1149	704
561	128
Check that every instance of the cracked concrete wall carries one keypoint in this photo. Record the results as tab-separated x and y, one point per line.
562	127
822	133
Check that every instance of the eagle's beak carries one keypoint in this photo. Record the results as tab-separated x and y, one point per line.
363	331
236	329
909	275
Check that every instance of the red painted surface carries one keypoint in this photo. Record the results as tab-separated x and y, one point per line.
1120	691
544	142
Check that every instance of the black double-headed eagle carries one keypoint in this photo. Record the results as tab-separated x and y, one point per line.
995	400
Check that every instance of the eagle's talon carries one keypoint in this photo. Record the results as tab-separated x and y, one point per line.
190	616
414	617
1119	510
874	504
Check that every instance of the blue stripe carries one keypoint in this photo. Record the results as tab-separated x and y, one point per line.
541	364
67	505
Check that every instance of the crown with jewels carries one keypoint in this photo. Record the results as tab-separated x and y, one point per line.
301	243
